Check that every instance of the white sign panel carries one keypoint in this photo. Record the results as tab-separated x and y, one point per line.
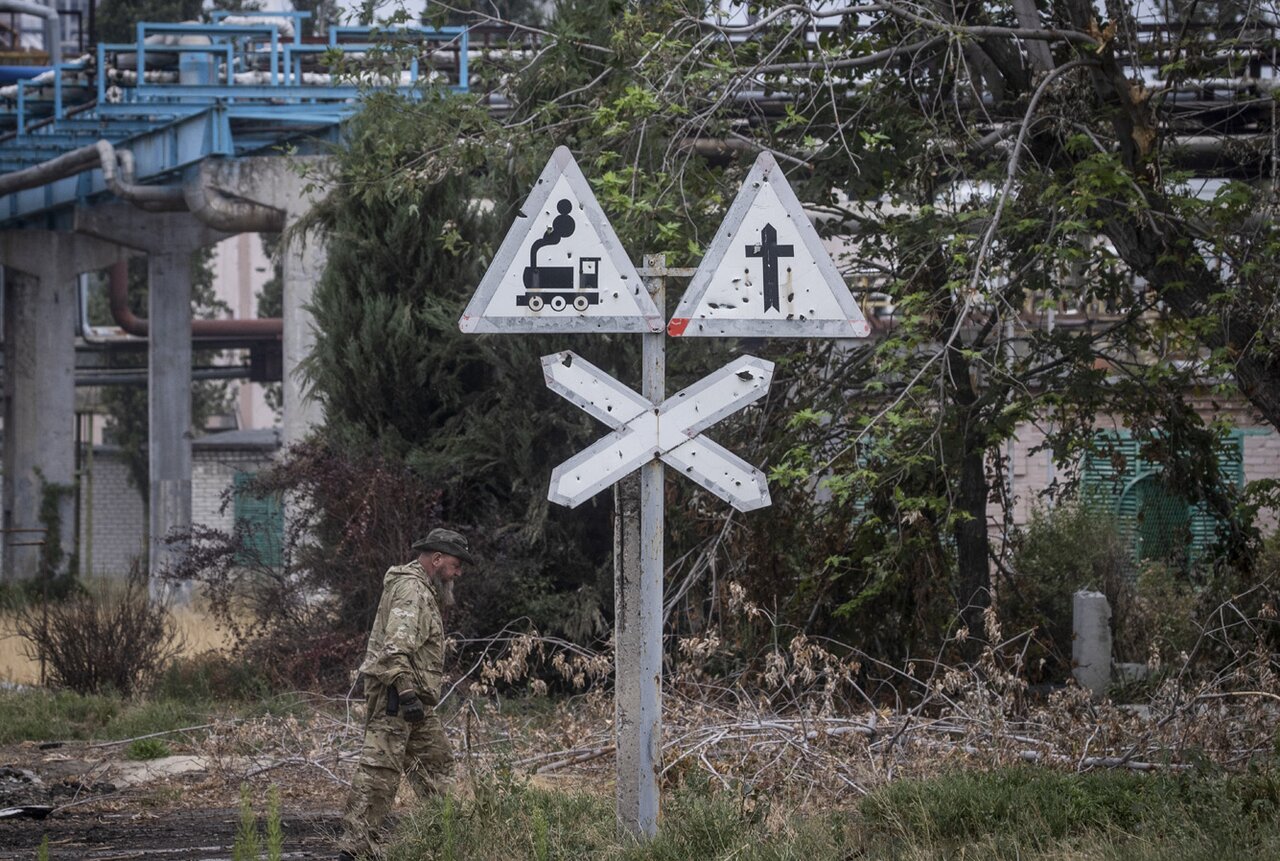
670	431
767	273
561	267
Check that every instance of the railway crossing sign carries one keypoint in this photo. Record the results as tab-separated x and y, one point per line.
670	431
561	267
767	273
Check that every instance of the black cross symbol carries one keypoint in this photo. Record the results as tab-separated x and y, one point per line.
769	251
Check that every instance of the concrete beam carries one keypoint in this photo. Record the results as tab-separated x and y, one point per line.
152	232
39	385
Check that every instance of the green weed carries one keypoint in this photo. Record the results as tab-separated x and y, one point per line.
275	829
249	841
245	847
148	748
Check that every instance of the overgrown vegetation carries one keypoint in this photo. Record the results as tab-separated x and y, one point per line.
64	716
42	715
886	460
301	624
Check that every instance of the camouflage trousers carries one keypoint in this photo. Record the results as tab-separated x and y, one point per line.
391	747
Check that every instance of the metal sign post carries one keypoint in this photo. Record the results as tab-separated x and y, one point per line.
638	615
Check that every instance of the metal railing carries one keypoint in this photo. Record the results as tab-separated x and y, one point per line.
255	58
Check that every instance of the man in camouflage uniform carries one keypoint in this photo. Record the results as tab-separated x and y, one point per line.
402	670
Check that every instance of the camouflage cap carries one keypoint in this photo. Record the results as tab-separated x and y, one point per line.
446	541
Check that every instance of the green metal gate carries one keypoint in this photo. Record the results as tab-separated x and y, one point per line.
1161	525
261	520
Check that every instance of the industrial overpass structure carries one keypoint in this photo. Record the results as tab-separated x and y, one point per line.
159	147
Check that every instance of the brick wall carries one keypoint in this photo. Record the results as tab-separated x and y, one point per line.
212	473
114	509
1262	460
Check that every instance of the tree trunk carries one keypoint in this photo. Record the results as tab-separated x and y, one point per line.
968	444
973	582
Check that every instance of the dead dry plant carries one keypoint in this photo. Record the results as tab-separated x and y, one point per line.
811	721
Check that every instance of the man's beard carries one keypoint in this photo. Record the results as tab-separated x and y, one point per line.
446	592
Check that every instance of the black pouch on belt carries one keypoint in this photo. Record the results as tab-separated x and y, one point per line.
393	701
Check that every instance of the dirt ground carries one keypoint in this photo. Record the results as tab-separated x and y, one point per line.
181	807
182	835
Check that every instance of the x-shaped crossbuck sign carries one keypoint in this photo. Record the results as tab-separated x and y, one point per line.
670	431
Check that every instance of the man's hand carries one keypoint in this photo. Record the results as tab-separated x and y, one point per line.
412	709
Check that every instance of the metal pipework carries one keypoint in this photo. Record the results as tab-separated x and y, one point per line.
212	206
101	155
262	328
155	198
67	164
52	25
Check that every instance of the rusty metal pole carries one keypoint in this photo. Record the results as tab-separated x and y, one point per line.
638	566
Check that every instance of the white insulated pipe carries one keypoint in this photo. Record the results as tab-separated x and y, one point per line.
67	164
117	172
52	24
212	206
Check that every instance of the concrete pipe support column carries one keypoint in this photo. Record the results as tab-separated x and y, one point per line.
170	240
276	183
304	262
39	387
169	409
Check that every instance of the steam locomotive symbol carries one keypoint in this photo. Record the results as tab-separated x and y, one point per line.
554	285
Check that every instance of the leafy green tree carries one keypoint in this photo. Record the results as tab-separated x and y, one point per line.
989	165
426	189
987	168
117	19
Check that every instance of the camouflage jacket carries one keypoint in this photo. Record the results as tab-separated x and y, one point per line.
408	634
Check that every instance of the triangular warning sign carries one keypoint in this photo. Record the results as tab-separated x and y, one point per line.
561	267
767	273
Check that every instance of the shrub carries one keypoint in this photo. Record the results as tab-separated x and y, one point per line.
147	748
1165	609
1061	551
210	675
113	642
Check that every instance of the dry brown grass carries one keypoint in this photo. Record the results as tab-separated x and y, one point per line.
15	666
196	627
